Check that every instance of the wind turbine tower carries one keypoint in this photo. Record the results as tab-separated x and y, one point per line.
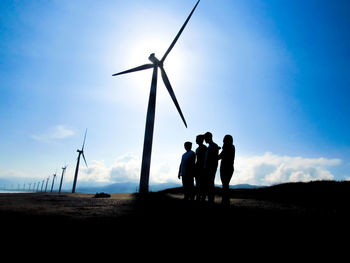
47	181
63	171
53	181
80	152
148	139
42	184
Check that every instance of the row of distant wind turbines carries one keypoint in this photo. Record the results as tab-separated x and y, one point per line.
36	185
148	139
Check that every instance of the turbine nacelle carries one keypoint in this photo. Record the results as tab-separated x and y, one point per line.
155	60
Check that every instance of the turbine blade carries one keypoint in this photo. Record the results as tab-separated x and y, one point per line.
85	160
82	148
178	34
172	94
146	66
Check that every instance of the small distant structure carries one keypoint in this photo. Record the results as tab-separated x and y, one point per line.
102	195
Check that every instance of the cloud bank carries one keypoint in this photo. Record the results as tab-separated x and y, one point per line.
266	169
126	169
271	169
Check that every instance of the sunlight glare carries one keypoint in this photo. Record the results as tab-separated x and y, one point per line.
138	55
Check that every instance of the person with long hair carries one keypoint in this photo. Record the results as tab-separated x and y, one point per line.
227	157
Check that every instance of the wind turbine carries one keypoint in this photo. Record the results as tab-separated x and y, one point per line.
42	184
63	170
148	139
80	152
53	181
47	181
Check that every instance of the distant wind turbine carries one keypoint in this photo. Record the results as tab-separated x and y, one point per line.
47	181
148	139
63	170
42	184
80	152
53	181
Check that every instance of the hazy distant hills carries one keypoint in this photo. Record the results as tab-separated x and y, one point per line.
127	187
133	187
83	187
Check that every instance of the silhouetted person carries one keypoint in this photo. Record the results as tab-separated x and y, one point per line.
199	166
227	157
210	165
186	171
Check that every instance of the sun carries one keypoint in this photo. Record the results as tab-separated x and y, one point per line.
138	53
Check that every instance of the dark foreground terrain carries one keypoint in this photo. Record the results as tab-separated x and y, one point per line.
298	213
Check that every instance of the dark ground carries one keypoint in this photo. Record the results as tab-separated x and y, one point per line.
284	216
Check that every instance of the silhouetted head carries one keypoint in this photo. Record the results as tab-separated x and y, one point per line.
228	140
200	139
188	146
208	137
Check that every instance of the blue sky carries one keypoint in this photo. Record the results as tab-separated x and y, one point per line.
273	74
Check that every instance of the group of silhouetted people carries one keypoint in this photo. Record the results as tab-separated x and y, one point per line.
198	169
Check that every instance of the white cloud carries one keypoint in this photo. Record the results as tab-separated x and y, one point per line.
266	169
96	172
270	169
55	133
126	169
